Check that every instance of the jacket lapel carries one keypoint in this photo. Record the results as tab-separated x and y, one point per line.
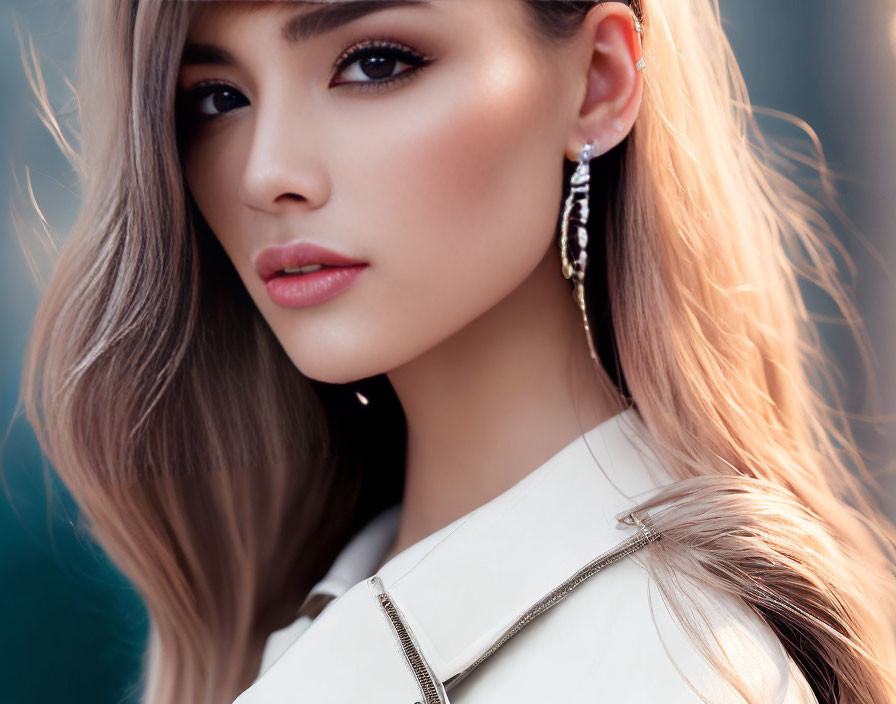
404	633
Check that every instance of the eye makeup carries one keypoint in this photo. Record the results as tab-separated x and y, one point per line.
376	55
377	47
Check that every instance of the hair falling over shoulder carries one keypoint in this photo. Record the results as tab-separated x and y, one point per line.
204	462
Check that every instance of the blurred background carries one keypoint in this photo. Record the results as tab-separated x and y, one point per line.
72	629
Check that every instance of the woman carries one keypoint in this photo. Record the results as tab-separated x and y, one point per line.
310	365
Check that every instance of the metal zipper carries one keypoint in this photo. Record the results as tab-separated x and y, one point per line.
645	535
432	690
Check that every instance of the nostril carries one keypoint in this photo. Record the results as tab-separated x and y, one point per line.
290	196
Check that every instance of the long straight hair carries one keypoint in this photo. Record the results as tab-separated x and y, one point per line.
223	482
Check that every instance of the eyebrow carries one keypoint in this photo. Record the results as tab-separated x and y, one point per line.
300	27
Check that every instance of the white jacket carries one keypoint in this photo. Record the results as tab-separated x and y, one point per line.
536	596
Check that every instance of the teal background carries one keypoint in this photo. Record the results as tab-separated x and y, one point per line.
72	629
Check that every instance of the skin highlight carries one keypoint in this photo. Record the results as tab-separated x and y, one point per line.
437	183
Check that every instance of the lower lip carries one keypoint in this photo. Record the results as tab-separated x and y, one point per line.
303	290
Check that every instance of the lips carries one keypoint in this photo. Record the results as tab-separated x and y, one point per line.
273	261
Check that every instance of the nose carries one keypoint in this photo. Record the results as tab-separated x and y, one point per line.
283	170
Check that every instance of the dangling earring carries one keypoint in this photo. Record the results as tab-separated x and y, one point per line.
580	186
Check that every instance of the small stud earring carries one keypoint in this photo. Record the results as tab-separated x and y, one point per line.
580	186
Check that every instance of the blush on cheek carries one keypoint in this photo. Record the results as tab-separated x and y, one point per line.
484	162
479	138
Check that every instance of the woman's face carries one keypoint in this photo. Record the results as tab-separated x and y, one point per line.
437	161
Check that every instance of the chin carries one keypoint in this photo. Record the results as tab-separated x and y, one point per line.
337	366
329	371
354	361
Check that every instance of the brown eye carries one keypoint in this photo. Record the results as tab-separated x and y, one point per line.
377	65
375	62
209	100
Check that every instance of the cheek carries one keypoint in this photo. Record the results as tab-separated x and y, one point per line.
472	185
212	170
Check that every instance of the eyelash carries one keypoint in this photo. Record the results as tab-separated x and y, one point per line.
379	47
356	52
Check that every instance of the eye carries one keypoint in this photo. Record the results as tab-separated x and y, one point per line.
377	60
373	59
212	99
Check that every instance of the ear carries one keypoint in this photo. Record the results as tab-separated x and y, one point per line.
612	86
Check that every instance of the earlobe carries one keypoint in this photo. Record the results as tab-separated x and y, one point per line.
614	82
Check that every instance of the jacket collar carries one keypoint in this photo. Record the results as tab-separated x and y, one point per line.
461	588
524	542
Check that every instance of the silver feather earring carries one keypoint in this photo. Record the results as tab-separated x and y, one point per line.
580	187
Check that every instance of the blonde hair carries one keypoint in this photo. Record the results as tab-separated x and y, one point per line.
204	462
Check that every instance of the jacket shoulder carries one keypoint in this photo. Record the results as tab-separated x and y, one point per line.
615	635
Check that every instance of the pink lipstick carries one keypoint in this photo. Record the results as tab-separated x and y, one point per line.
303	274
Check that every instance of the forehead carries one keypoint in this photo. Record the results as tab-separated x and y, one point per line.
309	18
303	19
218	28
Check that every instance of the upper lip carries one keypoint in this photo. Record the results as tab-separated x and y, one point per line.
292	256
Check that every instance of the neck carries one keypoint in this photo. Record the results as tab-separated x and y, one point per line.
495	401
